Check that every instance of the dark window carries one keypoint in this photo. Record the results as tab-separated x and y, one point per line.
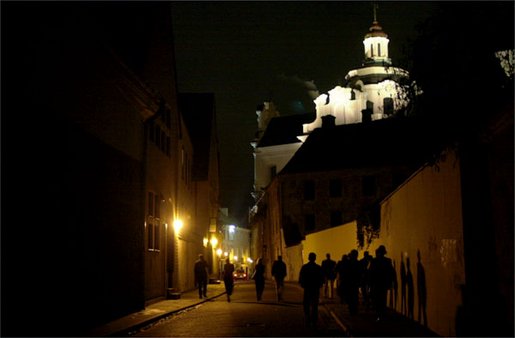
153	222
352	95
369	185
157	211
335	188
309	190
150	204
336	218
273	171
371	50
388	105
150	233
309	224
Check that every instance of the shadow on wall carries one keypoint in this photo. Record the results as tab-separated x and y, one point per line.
408	289
421	291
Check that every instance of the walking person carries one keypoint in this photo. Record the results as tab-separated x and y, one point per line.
340	272
279	272
329	269
381	278
201	275
311	278
353	275
228	278
259	278
365	278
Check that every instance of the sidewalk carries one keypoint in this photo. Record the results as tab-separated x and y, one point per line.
155	312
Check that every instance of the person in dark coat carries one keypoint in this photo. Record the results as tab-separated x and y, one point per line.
329	269
381	279
201	275
365	278
228	278
340	272
311	278
279	272
352	273
259	278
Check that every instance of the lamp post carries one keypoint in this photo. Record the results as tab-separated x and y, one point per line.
219	255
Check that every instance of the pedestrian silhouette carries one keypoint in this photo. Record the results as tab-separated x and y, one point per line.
381	278
259	278
201	275
352	276
393	293
311	278
279	272
329	270
421	290
228	278
365	278
410	289
340	271
404	305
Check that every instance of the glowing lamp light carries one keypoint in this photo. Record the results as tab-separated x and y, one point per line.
232	228
226	254
236	258
177	225
214	241
219	252
205	240
250	260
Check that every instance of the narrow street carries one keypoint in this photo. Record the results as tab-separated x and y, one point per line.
244	316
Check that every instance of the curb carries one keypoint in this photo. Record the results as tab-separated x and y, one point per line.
150	321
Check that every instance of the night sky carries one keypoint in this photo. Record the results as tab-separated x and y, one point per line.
247	52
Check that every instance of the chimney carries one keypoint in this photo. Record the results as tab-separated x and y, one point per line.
366	115
328	121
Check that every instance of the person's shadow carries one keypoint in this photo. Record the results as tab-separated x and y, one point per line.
410	289
421	290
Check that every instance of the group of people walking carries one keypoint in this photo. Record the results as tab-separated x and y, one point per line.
370	276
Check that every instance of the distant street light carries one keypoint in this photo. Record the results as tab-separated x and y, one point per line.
177	225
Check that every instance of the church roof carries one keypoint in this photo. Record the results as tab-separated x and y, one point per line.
393	141
376	30
285	129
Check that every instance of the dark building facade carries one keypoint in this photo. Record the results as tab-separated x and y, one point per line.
89	99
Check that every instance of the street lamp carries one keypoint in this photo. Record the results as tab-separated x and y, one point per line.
177	225
219	254
214	241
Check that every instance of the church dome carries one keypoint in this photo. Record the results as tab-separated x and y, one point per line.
376	31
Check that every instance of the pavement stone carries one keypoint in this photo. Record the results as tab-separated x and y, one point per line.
363	324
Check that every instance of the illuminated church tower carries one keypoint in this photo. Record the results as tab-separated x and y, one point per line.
374	91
